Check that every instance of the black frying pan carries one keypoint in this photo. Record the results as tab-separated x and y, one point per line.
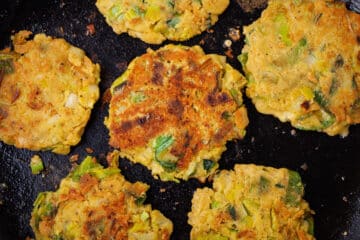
329	166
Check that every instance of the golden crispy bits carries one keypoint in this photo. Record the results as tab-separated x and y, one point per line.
252	202
47	90
301	59
93	202
154	21
174	109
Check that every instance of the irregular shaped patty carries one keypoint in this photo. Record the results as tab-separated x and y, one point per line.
93	202
252	202
174	109
302	60
47	90
154	21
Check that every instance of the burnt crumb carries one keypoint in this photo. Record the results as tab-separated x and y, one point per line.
15	94
176	108
234	34
158	70
251	5
90	30
305	105
214	99
126	126
120	87
89	150
74	158
144	119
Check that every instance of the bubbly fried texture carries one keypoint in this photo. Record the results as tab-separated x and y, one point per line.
97	203
302	61
252	202
47	90
174	109
154	21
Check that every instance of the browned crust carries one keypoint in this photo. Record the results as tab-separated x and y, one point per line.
172	94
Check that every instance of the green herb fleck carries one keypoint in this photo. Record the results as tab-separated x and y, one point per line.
173	22
140	200
162	143
264	184
232	211
294	190
208	164
320	99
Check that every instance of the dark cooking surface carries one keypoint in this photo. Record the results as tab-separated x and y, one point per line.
332	164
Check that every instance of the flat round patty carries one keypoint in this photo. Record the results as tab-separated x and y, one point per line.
252	202
174	109
154	21
302	60
47	90
97	203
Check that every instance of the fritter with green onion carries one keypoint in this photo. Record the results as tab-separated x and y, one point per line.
174	109
93	202
302	61
47	90
154	21
252	202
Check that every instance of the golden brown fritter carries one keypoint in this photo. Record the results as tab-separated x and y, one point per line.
47	90
174	109
154	21
97	203
252	202
303	66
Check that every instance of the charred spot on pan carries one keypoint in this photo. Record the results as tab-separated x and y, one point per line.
157	77
358	39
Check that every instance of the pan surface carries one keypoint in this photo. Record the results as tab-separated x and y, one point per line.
329	166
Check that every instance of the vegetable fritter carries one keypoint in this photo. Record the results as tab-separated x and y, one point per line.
174	109
154	21
93	202
302	61
252	202
47	90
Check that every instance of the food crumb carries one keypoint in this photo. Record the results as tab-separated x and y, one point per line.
252	139
227	43
229	54
304	167
89	150
74	158
162	190
90	29
36	164
234	34
293	132
345	199
342	178
345	233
